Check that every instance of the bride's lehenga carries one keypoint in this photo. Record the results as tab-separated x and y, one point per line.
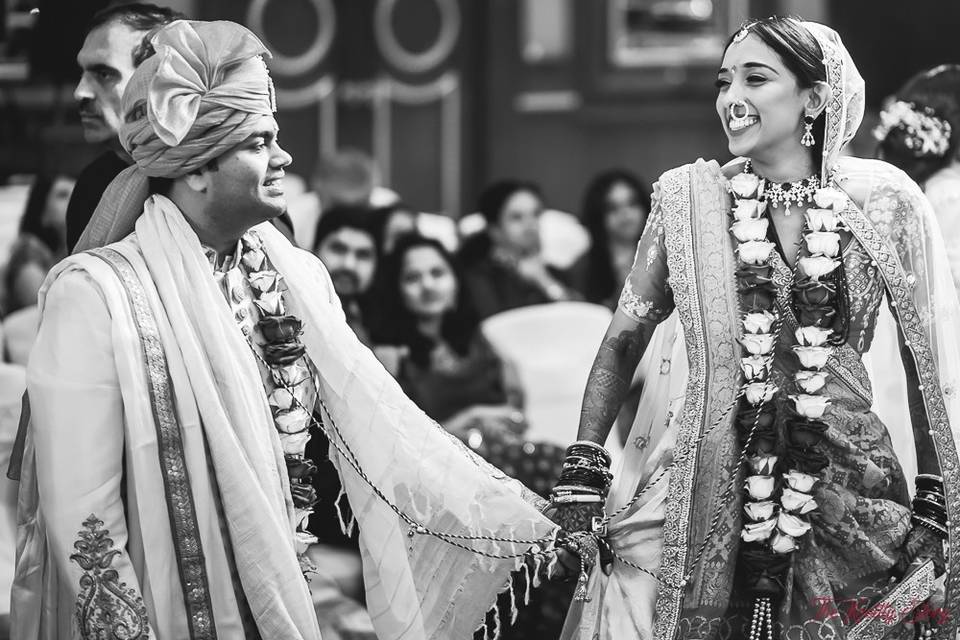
682	536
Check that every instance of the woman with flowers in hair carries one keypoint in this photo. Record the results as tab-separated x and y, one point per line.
919	132
759	496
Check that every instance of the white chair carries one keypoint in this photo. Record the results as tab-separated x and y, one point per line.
553	347
12	385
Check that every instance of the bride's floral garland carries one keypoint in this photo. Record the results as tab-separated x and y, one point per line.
283	352
775	510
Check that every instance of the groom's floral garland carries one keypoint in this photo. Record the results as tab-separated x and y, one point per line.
289	371
775	510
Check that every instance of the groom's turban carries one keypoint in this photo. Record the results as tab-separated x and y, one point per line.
201	94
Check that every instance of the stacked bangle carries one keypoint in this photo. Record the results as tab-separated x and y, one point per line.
930	505
585	477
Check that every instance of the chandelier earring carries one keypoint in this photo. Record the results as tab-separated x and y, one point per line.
807	138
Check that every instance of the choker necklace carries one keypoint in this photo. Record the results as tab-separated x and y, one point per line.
786	193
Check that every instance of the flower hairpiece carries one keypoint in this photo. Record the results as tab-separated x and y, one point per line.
926	134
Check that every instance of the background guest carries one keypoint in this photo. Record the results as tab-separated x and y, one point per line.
346	243
504	265
919	132
615	209
45	216
113	48
452	373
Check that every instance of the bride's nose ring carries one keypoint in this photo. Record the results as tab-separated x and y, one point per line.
738	110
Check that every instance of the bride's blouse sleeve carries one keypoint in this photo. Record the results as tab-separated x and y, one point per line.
646	296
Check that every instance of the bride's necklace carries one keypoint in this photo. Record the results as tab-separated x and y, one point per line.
786	193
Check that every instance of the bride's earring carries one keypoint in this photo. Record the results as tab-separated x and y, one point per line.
807	138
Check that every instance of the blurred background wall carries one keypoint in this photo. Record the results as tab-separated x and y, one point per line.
447	95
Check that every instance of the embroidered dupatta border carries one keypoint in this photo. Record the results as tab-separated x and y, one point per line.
703	308
908	318
180	506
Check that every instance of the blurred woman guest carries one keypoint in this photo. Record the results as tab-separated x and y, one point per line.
919	132
452	373
447	367
504	266
615	209
45	216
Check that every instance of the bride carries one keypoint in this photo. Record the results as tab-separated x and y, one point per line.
759	496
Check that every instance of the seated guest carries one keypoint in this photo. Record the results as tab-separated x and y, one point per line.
395	220
615	209
30	260
452	373
346	242
504	266
45	216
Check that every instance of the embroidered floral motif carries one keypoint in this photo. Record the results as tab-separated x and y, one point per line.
638	308
107	609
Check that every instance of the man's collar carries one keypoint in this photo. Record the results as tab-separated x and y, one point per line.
223	262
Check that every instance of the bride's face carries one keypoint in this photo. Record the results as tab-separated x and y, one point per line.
759	102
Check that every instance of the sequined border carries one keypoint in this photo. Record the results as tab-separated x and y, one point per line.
675	203
898	287
896	605
180	506
684	246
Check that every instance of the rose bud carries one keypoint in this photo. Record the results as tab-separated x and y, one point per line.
755	252
304	495
823	220
760	487
817	316
830	198
762	465
756	299
757	392
748	209
302	518
810	406
812	336
792	525
756	531
750	229
755	367
293	421
759	511
758	343
270	303
826	243
302	541
294	444
813	357
290	375
253	259
281	400
300	468
805	433
744	185
263	281
815	292
817	266
759	322
782	543
808	460
810	381
280	328
283	353
797	502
